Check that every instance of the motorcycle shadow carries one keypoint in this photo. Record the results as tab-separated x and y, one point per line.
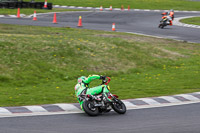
105	114
168	28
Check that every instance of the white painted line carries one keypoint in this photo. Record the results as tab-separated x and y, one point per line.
13	16
67	107
36	108
56	6
194	11
170	99
38	114
189	97
149	101
63	6
156	36
79	7
79	111
157	10
2	15
197	93
164	105
117	9
88	7
4	111
71	6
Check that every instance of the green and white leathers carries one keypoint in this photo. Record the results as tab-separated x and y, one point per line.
82	87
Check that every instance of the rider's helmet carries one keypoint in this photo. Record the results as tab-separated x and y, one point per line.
80	79
78	85
171	10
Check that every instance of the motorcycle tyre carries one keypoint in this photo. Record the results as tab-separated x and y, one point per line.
88	110
116	109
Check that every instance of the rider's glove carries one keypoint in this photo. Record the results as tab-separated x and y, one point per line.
103	77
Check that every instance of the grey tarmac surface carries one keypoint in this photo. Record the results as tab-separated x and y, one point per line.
142	22
174	119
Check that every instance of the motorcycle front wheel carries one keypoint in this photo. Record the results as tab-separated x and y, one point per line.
90	109
119	107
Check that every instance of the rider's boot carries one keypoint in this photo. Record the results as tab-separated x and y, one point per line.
170	22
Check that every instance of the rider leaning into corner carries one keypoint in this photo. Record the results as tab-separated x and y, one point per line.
83	87
169	15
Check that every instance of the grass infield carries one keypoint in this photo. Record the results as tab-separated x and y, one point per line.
134	4
30	11
194	20
40	65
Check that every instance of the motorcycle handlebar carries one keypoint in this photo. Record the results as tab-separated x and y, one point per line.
107	80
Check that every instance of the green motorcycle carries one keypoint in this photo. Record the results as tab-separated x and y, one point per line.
96	102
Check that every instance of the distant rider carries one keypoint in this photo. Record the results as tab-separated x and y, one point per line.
83	87
169	15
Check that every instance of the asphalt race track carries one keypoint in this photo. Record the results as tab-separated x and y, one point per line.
174	119
142	22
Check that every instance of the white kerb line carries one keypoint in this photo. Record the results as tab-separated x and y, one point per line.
67	107
149	101
128	104
170	99
36	108
4	111
189	97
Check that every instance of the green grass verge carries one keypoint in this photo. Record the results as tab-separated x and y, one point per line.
137	4
194	20
31	11
40	65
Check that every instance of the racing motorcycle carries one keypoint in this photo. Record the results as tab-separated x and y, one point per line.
93	105
164	22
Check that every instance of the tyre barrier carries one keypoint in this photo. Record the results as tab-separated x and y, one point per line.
37	5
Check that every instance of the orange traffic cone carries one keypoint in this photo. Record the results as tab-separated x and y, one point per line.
110	8
18	13
54	19
122	7
34	16
101	8
80	22
45	4
113	27
128	8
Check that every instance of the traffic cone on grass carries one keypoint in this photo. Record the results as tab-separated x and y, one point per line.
113	27
34	16
110	8
18	13
128	8
45	4
80	21
101	8
54	19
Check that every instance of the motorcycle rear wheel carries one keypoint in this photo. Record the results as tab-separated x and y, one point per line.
119	107
88	107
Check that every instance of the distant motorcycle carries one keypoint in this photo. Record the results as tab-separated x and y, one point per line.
164	22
